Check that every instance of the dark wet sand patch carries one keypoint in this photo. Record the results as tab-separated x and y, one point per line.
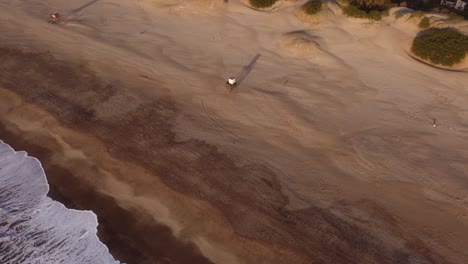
131	236
146	136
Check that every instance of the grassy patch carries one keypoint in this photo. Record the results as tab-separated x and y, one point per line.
417	14
385	13
453	15
399	15
425	23
441	46
353	10
312	7
262	3
433	6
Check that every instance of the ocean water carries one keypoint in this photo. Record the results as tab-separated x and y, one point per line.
34	229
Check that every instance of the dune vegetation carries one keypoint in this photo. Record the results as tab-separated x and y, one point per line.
441	46
433	6
369	5
417	14
312	7
425	23
262	3
367	9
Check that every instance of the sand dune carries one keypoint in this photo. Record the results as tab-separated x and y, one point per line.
325	153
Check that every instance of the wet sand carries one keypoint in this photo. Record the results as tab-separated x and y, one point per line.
122	139
134	236
123	230
131	235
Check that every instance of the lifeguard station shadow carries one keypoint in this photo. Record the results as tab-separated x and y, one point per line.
240	77
76	10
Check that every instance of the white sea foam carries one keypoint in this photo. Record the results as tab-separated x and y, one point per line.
34	229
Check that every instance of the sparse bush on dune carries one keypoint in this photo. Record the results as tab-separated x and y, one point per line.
262	3
425	23
352	10
369	5
453	15
384	13
433	6
417	14
441	46
312	7
424	5
367	9
375	15
399	15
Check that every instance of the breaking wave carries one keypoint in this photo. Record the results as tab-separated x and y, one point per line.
36	229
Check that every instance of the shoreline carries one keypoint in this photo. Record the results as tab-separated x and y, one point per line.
147	240
31	217
80	118
114	221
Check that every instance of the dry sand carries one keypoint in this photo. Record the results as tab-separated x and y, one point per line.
125	106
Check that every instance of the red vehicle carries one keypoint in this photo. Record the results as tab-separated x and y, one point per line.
54	17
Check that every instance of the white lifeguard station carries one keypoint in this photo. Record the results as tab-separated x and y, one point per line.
231	81
231	84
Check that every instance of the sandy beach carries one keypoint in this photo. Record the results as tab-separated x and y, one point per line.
324	153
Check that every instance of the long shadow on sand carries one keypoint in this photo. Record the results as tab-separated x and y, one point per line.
76	10
240	77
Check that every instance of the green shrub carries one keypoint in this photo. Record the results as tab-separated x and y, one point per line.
399	15
425	23
312	7
369	5
441	46
262	3
417	14
352	10
444	10
453	15
375	15
384	13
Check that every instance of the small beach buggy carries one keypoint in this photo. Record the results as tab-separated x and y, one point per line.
54	18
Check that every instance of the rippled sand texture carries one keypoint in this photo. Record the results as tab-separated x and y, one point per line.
325	153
